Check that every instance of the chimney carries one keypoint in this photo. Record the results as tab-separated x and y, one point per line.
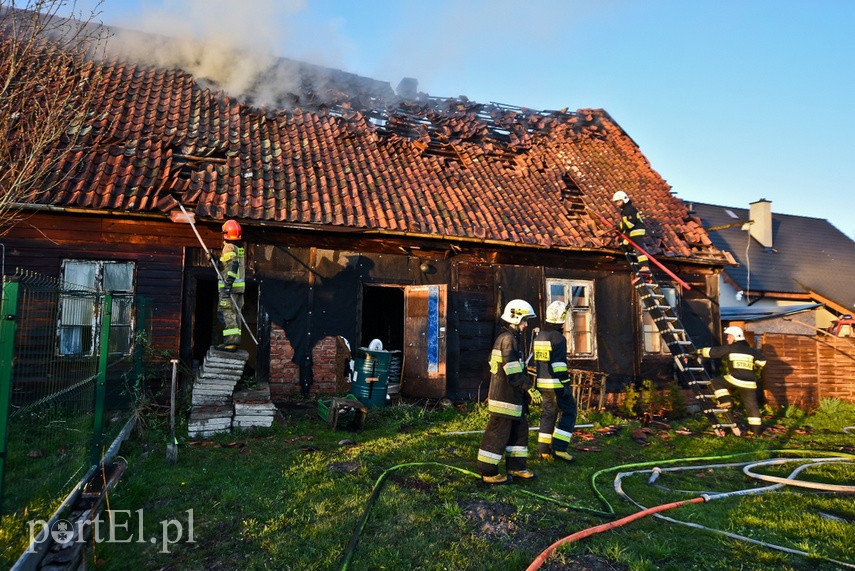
761	215
408	88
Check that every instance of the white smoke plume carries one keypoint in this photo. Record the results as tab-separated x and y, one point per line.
224	42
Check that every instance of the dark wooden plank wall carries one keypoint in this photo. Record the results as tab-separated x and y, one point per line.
42	241
473	305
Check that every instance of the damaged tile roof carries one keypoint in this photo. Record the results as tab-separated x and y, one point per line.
428	166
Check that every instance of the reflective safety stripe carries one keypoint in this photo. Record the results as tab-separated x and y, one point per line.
549	384
760	363
495	359
754	421
741	361
562	435
721	393
544	437
513	367
225	303
489	457
542	350
637	232
227	257
504	408
641	258
627	224
740	383
516	451
559	367
705	352
227	332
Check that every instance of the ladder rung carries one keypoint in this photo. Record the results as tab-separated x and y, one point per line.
716	410
731	425
701	382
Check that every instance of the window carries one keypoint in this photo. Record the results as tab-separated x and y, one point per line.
80	314
653	343
579	327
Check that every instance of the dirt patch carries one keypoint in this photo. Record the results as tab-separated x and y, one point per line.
344	467
500	524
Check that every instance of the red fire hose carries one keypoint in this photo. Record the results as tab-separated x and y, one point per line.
541	559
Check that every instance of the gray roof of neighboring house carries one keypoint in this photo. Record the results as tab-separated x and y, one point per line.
807	255
742	313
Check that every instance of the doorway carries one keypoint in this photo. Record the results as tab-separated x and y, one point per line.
382	316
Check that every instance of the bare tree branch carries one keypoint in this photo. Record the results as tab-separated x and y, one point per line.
47	90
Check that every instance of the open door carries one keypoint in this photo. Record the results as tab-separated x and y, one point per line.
425	309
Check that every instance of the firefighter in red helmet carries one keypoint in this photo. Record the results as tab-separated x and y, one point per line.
231	285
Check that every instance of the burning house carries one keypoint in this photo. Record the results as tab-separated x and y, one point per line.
367	213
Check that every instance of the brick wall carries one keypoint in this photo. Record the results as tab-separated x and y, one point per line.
285	375
803	369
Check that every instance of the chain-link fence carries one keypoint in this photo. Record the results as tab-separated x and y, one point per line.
67	386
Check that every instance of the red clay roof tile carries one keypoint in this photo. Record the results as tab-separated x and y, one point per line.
448	167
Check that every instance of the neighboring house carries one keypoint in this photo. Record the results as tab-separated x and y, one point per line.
794	274
410	219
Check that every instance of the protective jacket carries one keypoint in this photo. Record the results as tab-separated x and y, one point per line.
631	222
231	289
508	381
550	357
742	359
233	268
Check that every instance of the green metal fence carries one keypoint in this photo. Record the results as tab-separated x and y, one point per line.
67	371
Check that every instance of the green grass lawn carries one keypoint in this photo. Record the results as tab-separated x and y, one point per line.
292	496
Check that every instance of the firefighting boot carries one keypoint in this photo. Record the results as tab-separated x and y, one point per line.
522	474
564	456
497	479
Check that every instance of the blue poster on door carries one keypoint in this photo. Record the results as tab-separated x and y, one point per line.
433	329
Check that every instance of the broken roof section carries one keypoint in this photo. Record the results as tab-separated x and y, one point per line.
368	160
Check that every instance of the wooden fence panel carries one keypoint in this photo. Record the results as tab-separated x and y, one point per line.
803	369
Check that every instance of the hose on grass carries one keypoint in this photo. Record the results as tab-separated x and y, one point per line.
544	555
378	484
826	457
780	482
610	510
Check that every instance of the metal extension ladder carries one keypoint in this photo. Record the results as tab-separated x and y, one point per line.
689	365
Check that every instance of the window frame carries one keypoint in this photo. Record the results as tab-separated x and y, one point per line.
123	306
572	312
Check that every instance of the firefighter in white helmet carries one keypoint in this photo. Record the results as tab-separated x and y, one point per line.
632	226
506	435
744	363
550	357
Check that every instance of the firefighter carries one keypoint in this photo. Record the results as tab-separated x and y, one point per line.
550	356
743	362
231	285
507	430
632	226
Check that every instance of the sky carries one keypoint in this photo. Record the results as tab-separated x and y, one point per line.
731	101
